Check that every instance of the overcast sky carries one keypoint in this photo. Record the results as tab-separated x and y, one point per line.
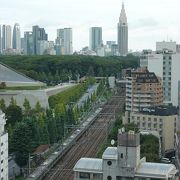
149	20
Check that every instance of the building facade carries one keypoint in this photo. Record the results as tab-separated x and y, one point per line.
143	89
170	45
8	37
165	64
179	103
64	42
164	120
0	40
95	38
3	148
28	43
38	35
16	37
123	163
123	33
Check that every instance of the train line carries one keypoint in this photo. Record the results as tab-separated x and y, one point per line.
89	142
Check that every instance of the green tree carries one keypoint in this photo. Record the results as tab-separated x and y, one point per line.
27	107
2	105
21	144
13	114
13	101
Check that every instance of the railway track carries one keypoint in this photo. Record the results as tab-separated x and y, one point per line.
89	143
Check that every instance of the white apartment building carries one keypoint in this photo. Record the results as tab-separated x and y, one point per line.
162	119
123	163
165	64
3	148
170	45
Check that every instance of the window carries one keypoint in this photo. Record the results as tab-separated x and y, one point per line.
109	163
97	176
2	170
1	144
1	161
84	175
149	119
2	152
121	155
138	118
155	119
144	118
109	178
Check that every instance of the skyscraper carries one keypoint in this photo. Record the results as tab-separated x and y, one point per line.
38	34
28	43
3	37
123	33
95	38
8	37
64	41
16	37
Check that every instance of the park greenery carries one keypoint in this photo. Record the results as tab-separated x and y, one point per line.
55	69
149	143
30	127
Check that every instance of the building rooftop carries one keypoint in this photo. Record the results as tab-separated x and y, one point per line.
110	153
89	165
41	149
154	170
160	111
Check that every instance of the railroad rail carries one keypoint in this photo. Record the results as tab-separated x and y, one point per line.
89	142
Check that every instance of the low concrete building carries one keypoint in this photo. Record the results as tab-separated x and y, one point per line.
162	119
123	163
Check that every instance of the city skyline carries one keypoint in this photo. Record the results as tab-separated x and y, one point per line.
145	26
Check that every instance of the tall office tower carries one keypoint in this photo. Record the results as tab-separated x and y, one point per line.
8	37
95	38
3	37
3	147
68	49
0	41
38	35
123	33
64	41
28	43
16	37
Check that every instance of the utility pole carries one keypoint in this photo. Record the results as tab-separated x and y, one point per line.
29	164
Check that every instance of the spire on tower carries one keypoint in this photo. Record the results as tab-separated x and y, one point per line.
123	18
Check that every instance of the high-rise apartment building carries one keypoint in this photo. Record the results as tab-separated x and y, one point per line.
28	43
3	148
16	37
143	89
64	41
165	64
38	35
0	41
123	33
95	38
